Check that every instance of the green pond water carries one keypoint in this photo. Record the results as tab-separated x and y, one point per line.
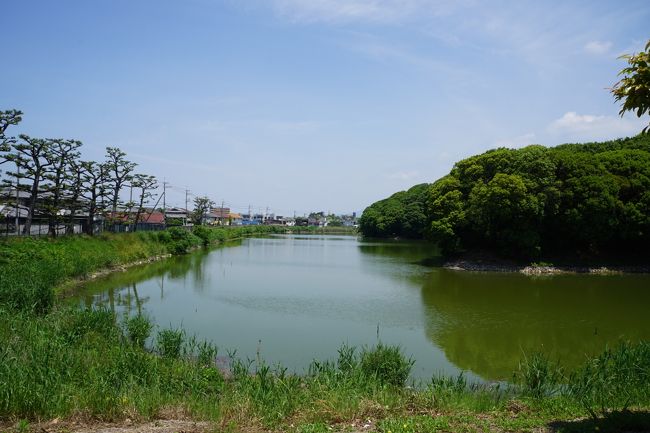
295	298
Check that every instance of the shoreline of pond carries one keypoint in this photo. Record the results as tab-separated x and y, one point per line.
540	269
490	262
67	287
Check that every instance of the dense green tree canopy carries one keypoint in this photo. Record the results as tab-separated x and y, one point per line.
402	214
591	199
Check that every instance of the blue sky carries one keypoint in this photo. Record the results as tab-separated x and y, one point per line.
304	105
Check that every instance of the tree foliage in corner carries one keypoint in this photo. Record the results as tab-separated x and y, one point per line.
591	199
634	88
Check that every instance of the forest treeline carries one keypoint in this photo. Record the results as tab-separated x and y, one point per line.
589	199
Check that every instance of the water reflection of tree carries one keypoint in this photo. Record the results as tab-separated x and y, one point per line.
486	322
197	268
120	290
404	251
398	260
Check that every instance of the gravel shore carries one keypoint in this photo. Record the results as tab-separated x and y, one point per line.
496	266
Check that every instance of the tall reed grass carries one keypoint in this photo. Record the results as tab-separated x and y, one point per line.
613	381
75	362
86	363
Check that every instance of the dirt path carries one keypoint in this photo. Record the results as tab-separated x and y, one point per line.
159	426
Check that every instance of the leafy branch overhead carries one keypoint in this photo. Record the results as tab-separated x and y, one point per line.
634	88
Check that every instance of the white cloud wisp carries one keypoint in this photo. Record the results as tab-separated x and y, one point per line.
379	11
598	47
576	126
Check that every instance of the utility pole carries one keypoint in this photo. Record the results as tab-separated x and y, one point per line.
165	201
187	192
164	198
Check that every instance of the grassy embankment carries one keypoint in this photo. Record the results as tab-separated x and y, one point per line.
70	363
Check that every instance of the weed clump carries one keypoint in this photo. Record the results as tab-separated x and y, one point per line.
615	380
386	364
538	376
99	322
170	343
138	329
207	353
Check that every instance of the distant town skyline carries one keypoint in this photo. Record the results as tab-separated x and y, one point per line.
305	105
